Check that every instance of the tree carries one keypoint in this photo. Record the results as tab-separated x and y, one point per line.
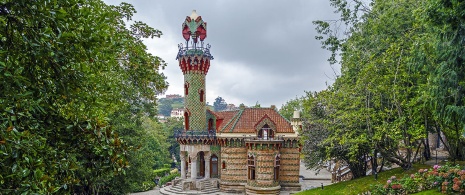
165	107
384	113
67	68
444	58
219	104
287	110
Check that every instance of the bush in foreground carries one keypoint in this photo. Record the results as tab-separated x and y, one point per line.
446	179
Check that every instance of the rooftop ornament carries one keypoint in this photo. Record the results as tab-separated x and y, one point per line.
193	29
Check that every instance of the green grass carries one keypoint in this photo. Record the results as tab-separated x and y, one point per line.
428	192
361	185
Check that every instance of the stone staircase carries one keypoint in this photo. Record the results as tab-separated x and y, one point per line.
203	187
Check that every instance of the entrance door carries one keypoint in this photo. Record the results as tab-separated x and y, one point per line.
202	164
214	166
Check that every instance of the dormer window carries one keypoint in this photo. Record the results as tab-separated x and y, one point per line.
266	133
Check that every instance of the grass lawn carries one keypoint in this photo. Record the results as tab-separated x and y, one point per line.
361	185
429	192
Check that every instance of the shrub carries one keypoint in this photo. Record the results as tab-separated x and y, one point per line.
161	172
447	179
168	178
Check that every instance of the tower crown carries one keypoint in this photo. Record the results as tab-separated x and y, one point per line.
194	56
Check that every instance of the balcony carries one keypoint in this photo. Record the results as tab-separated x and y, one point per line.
256	139
196	49
194	134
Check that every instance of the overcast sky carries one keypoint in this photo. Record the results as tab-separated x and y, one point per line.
264	51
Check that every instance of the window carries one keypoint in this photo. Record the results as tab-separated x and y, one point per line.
265	133
201	95
214	166
186	120
223	165
251	168
277	162
210	124
186	89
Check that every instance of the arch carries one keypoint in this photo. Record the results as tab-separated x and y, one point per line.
277	165
201	155
265	132
265	128
214	166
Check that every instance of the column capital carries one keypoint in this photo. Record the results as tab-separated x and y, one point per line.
194	158
182	157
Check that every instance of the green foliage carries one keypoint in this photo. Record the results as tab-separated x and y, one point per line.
219	104
446	68
161	172
169	127
165	106
446	179
287	110
363	184
382	102
69	69
168	178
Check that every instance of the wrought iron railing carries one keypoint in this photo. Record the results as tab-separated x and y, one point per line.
181	133
274	138
197	49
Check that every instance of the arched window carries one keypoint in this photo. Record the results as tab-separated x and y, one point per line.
201	95
186	120
265	132
223	164
214	166
251	167
277	162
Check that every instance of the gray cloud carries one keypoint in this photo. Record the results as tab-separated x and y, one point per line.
264	50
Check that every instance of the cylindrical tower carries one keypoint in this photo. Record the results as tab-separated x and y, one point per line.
194	61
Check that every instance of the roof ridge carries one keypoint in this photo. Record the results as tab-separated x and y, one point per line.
235	123
227	124
283	117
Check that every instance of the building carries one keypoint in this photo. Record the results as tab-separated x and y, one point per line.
177	113
173	96
251	150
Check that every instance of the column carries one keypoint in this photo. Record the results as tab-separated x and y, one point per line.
183	166
194	167
207	165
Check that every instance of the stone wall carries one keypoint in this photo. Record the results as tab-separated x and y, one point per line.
289	171
234	176
264	168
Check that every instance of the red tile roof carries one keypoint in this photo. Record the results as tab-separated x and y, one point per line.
244	121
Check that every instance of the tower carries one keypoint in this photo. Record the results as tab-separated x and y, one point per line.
194	61
195	140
